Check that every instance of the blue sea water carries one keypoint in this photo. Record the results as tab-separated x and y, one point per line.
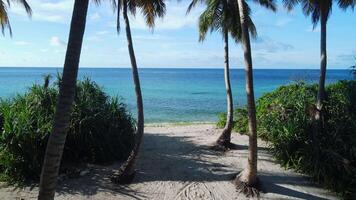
171	95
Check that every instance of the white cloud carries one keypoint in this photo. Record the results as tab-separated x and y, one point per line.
313	29
267	44
102	32
283	22
95	16
175	18
50	11
22	43
44	50
56	41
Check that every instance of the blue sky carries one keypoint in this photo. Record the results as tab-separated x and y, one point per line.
286	39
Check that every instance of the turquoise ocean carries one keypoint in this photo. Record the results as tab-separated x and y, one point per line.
171	95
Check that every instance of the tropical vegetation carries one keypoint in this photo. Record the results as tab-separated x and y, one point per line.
4	17
151	9
310	128
100	130
320	11
247	180
61	120
285	119
223	16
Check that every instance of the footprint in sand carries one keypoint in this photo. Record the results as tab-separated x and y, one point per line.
195	191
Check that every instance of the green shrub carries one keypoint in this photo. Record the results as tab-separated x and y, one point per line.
100	130
284	119
240	120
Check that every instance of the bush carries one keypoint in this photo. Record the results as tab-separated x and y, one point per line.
100	130
285	121
240	120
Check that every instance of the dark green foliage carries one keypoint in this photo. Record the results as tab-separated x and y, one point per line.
285	121
240	120
100	131
221	122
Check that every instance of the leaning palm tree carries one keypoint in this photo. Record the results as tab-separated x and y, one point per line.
150	9
223	16
320	11
4	17
247	180
58	134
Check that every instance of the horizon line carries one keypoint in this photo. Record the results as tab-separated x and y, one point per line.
258	68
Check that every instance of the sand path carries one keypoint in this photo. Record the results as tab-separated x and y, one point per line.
176	163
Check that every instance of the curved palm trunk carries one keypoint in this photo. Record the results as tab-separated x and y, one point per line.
57	138
249	175
127	170
225	138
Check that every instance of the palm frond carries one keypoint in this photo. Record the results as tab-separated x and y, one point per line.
193	4
151	9
344	4
269	4
4	18
223	16
290	4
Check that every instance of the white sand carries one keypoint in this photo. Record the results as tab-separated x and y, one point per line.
176	163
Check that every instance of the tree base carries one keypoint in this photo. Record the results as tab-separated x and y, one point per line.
223	146
250	190
123	178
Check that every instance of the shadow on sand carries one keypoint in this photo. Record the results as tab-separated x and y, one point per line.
182	159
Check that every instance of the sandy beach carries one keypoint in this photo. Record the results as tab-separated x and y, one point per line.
175	162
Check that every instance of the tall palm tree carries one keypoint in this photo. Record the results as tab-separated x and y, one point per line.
223	16
4	18
150	9
247	180
58	135
320	11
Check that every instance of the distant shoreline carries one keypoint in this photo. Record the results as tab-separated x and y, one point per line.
183	123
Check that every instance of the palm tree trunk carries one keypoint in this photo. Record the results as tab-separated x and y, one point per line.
127	170
318	115
317	124
57	138
225	138
249	175
323	64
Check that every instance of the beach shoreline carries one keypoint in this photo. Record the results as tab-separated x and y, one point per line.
176	162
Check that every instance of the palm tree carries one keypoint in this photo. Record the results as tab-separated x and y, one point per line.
320	11
223	16
150	9
247	180
58	135
4	18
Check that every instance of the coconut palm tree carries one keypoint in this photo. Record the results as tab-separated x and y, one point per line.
4	18
58	134
150	9
320	11
247	180
223	16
